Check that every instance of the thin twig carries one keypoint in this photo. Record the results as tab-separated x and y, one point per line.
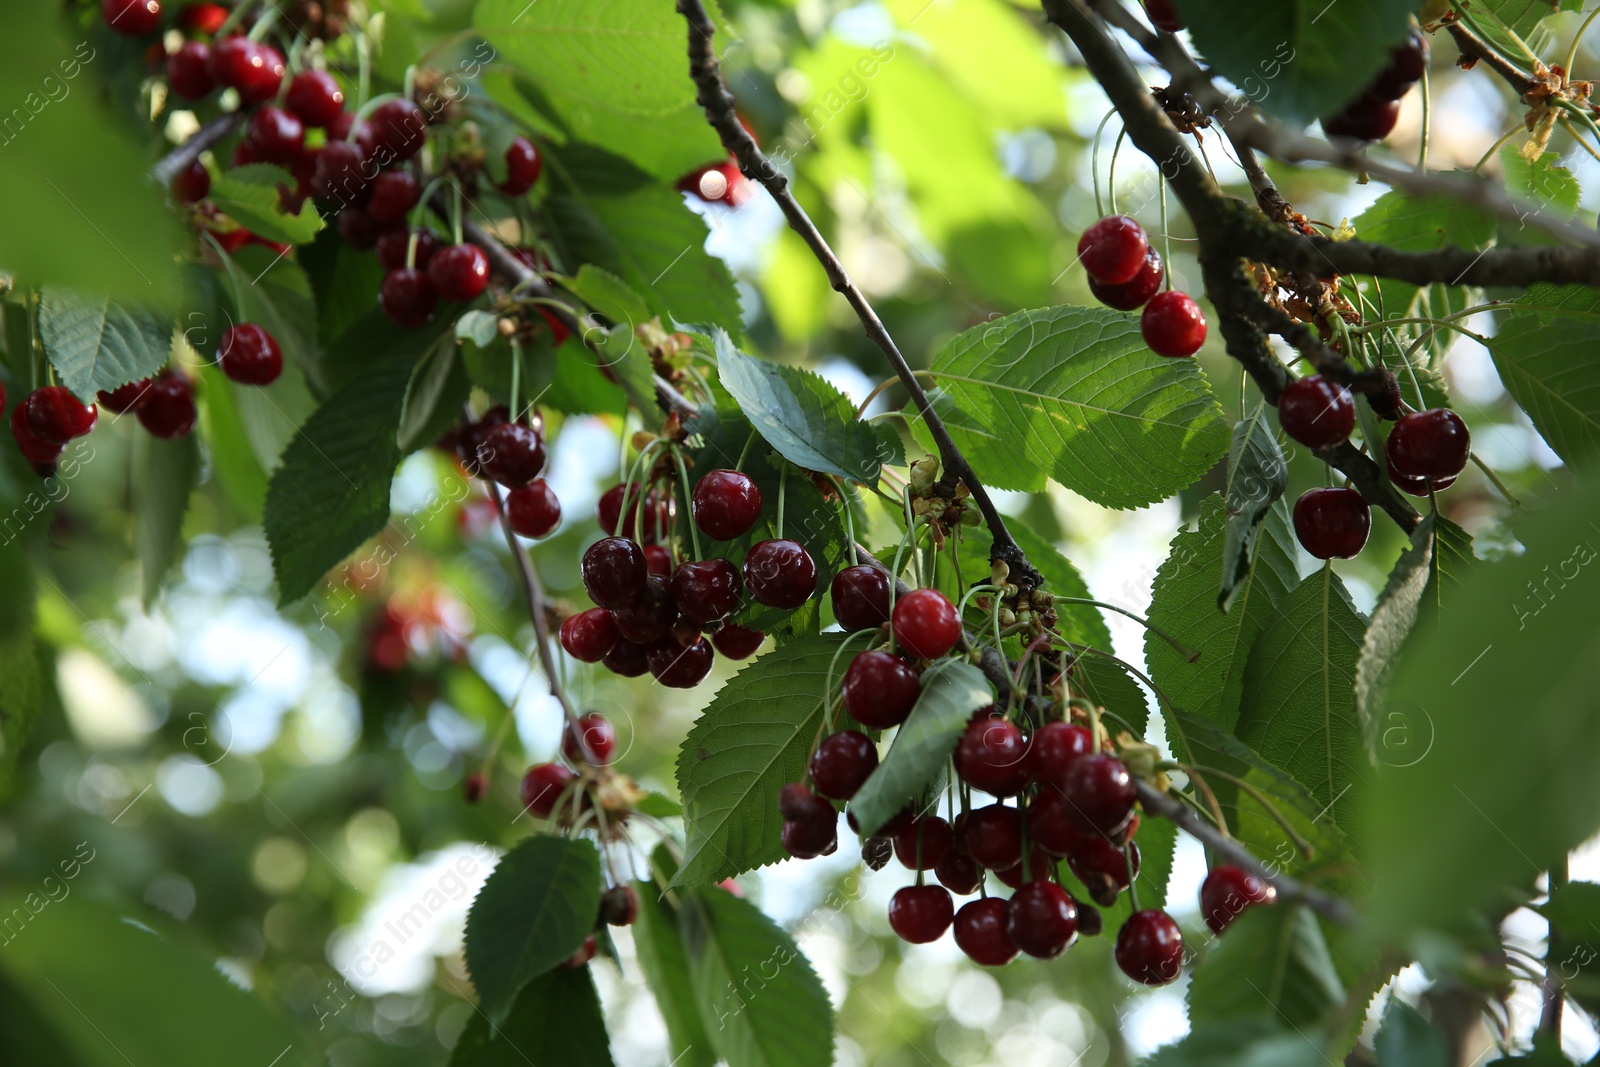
179	159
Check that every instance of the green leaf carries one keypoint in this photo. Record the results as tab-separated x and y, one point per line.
808	421
234	459
1251	1043
1075	394
1303	59
753	738
21	682
1521	17
1574	910
608	295
164	473
1505	682
615	71
760	1001
95	344
1184	605
533	912
434	396
555	1022
250	195
1533	349
1406	1039
345	280
1273	964
665	962
274	292
331	492
1541	184
1257	477
1298	705
1112	687
951	691
482	328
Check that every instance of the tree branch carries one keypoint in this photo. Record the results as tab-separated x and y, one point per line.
1475	48
718	103
170	165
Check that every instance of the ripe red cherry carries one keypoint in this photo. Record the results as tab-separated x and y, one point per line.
880	689
255	69
132	17
459	272
810	825
1056	746
119	401
192	183
1407	63
276	136
1316	412
36	450
543	786
394	193
534	510
679	666
393	245
651	616
1150	947
399	127
627	659
474	786
249	355
1332	523
1173	325
928	838
655	517
357	228
1048	824
1103	868
614	572
706	590
926	623
56	416
736	642
407	297
779	573
1099	793
959	872
315	97
584	954
512	454
1368	118
595	732
1163	16
202	18
168	410
993	836
842	763
590	635
1430	444
522	167
860	596
619	906
981	932
1113	249
725	504
1227	891
341	173
1042	919
1416	486
1135	293
921	913
658	558
189	71
992	755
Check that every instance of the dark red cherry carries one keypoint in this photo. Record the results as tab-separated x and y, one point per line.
843	763
36	450
1173	325
341	173
725	504
1150	947
1368	118
795	801
959	872
1407	63
394	193
474	786
189	70
192	183
736	642
1134	293
921	913
1430	444
407	297
122	399
1332	523
399	127
512	454
614	572
981	932
592	740
1042	919
543	786
255	69
522	167
357	228
459	272
927	839
393	245
627	659
315	96
1227	891
1048	824
658	558
653	520
534	510
585	953
810	825
1099	794
880	689
992	755
779	573
860	596
1103	868
56	416
1113	249
204	19
619	906
679	666
993	836
1056	746
168	410
249	355
1316	412
590	635
1416	486
706	590
469	435
132	17
1163	15
651	616
276	135
926	624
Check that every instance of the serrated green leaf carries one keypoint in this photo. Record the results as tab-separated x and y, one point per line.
760	1001
951	691
482	328
555	1022
1075	394
665	962
94	344
753	738
346	281
434	395
1406	1039
1533	351
1298	705
1273	963
533	912
164	473
250	195
1257	477
1252	1043
1521	17
1184	605
1111	686
609	295
1541	184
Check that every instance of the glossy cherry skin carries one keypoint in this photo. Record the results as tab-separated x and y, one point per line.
725	504
1163	15
1416	486
132	17
860	597
398	128
122	399
627	659
921	913
393	245
981	931
315	97
394	193
651	616
512	454
614	572
1113	249
780	573
1368	118
925	623
1103	868
56	416
1057	746
202	18
993	836
1048	824
658	558
1150	947
842	763
736	642
928	838
407	297
992	755
652	517
1332	523
1173	325
810	825
276	135
342	173
534	509
255	69
249	355
189	71
1429	444
1316	412
1227	891
598	737
168	410
590	635
33	448
192	183
459	272
619	906
880	689
522	167
543	786
706	590
959	872
1042	919
1099	793
1134	293
1407	63
679	666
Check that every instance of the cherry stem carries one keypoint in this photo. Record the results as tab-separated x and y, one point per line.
849	520
264	22
1204	789
516	378
1305	847
1189	654
744	452
688	490
1133	878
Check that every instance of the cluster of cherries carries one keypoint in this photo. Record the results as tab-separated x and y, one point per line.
1126	273
1425	452
1372	115
51	417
